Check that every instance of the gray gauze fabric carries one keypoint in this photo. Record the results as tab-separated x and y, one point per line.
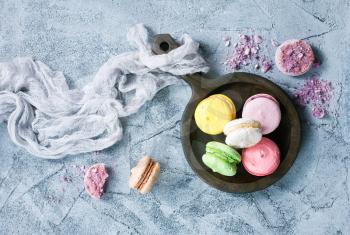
50	120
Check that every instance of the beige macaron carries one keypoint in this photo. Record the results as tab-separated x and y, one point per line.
242	133
144	175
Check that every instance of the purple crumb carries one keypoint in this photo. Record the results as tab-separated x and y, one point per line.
274	43
316	93
257	39
247	51
318	112
316	65
266	66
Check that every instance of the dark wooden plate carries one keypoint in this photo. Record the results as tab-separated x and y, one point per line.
237	86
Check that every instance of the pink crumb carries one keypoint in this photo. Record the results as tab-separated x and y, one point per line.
274	43
318	112
257	39
247	51
95	179
266	66
316	65
316	93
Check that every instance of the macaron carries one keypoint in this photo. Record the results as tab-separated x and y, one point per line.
221	158
242	133
144	175
294	57
265	109
95	179
213	113
262	159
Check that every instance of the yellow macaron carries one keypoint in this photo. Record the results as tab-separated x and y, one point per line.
213	113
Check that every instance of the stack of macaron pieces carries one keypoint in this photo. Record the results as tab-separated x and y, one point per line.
261	115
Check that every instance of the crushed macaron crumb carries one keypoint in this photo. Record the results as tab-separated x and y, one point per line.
247	51
296	56
317	93
95	179
274	43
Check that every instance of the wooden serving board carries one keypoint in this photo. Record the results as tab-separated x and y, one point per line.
239	87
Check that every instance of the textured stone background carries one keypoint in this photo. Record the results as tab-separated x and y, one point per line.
77	36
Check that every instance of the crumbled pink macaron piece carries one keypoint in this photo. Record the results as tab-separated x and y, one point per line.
274	43
247	51
266	66
257	39
294	57
317	93
318	112
95	179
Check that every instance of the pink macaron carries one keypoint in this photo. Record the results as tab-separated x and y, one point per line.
262	159
265	109
294	57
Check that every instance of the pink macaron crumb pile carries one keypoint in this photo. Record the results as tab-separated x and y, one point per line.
95	179
247	51
317	93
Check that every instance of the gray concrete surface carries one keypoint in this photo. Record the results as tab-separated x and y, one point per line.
77	36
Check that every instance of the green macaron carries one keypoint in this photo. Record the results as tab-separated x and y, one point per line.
219	165
221	158
223	150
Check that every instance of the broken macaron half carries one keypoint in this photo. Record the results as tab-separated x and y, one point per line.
144	175
95	179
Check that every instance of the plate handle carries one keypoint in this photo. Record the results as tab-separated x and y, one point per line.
164	43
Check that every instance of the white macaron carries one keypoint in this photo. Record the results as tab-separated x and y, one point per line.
242	133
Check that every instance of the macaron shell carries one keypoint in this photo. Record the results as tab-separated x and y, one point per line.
243	137
223	150
261	95
261	159
239	124
229	102
264	110
219	165
213	113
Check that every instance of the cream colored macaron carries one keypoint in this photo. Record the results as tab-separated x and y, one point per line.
242	133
